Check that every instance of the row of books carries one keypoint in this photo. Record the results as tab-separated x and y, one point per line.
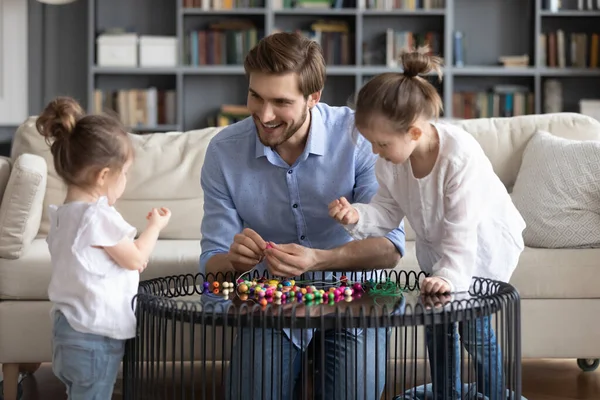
313	4
335	40
138	107
397	41
228	114
224	43
410	5
560	49
559	5
499	101
222	4
319	4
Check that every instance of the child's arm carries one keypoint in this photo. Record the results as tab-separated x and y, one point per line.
134	255
377	218
464	202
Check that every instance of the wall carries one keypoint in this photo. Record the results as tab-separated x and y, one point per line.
57	57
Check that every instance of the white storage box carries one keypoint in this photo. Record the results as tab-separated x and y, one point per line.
117	50
158	51
590	107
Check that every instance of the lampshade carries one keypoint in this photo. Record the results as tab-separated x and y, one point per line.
56	1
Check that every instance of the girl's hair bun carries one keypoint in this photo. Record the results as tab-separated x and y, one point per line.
420	62
59	118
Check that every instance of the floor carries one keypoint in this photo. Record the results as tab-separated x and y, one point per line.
542	380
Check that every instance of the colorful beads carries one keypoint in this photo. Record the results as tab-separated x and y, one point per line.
215	287
272	291
265	291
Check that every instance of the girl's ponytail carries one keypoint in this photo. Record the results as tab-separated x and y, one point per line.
401	98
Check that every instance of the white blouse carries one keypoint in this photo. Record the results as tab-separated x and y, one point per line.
464	220
93	292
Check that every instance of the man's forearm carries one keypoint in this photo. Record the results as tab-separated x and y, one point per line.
219	263
370	253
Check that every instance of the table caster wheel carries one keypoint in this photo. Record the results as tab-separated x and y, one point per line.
588	364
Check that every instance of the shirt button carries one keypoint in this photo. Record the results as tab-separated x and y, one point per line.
302	237
295	206
290	171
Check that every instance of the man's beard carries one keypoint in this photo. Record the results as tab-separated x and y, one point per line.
288	133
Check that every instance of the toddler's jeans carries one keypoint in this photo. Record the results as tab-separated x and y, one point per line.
86	363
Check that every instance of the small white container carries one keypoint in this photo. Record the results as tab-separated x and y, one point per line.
590	107
117	50
158	51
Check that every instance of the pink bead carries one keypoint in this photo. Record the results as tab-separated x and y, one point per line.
357	287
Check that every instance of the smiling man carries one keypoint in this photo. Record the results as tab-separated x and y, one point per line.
269	180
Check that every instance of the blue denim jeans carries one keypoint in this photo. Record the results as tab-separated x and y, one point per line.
479	340
353	366
87	364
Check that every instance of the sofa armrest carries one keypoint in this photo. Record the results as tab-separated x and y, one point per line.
22	204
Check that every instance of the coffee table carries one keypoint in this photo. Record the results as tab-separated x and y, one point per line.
186	331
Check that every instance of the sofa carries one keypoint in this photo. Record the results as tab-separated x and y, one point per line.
559	287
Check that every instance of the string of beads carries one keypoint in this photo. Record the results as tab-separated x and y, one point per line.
264	290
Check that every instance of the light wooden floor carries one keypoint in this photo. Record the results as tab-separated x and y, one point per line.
542	380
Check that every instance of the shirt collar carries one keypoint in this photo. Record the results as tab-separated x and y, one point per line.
315	143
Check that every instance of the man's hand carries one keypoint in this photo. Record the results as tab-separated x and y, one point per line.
289	260
246	251
435	285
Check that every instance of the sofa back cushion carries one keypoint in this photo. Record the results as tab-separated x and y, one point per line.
166	172
504	139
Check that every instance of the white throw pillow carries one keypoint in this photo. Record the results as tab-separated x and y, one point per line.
21	209
557	192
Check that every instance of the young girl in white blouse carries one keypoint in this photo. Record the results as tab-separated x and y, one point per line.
96	260
437	176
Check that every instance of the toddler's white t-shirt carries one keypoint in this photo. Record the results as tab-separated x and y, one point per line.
93	292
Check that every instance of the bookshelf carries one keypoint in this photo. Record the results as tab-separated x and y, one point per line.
201	84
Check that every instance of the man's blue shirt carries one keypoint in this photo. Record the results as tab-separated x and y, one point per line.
247	184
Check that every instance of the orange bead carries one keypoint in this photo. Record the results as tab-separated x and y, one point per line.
215	284
216	291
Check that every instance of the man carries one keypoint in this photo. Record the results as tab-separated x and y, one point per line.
270	178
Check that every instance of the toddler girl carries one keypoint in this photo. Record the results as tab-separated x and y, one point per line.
96	261
437	176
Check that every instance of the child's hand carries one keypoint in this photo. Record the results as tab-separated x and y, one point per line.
143	267
343	212
435	285
159	217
